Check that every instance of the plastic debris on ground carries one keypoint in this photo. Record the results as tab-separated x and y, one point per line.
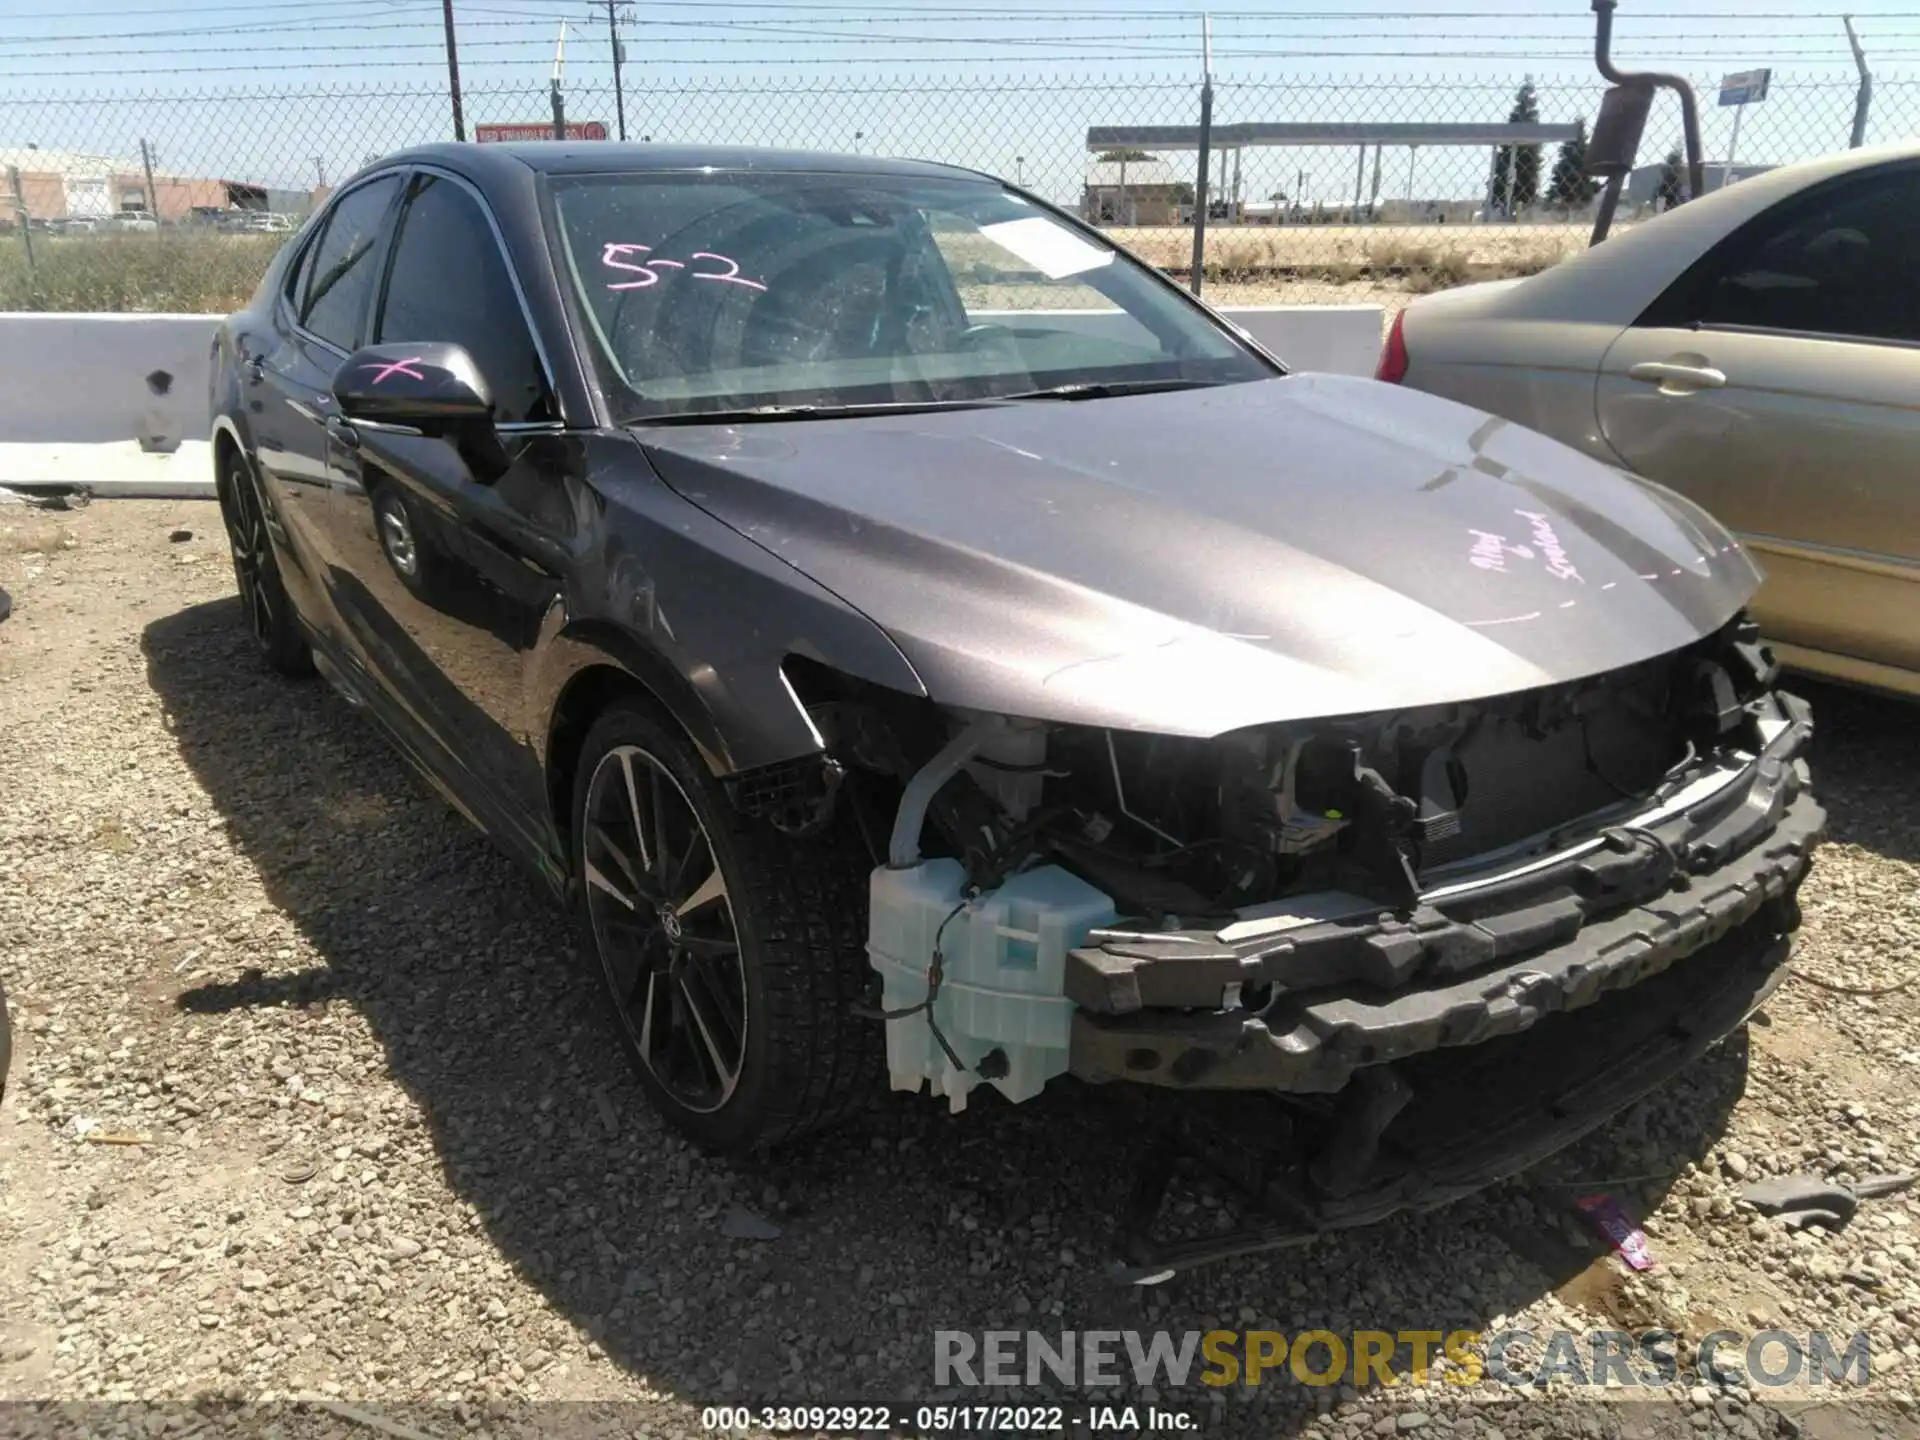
1607	1215
1803	1200
742	1224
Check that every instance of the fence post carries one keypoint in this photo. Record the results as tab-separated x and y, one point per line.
20	213
1197	279
153	195
1863	98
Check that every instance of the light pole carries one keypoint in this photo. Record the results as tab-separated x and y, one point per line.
858	136
1020	170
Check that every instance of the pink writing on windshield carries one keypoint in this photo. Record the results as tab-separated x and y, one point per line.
732	276
647	273
611	256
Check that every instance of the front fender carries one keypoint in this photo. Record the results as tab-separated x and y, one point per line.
703	618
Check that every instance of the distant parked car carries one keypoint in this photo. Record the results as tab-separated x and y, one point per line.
135	220
73	225
1757	350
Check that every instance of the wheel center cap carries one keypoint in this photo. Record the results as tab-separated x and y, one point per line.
670	922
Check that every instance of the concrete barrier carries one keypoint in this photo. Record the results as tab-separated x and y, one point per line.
119	402
114	402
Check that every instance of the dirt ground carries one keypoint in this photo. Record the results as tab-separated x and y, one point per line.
313	1101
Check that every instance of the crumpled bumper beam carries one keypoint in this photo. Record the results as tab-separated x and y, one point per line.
1466	966
1522	1099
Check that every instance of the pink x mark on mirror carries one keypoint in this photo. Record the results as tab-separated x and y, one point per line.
397	367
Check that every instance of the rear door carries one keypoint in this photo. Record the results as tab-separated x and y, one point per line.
1778	384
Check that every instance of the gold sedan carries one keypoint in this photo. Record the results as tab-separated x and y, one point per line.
1757	350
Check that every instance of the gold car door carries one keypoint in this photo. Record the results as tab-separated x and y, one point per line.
1778	384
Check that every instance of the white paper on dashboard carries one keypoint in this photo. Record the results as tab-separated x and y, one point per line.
1054	251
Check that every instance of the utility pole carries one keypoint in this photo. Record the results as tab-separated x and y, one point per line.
1863	97
453	72
559	100
153	196
320	170
619	95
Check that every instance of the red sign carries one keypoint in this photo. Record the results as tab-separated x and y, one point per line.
576	130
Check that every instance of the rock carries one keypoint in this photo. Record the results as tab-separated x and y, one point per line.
404	1249
742	1224
1735	1165
253	1280
1412	1420
180	537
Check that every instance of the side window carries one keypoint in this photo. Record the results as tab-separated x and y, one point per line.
298	274
449	283
1844	260
344	264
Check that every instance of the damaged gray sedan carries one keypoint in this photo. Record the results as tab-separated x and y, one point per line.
927	648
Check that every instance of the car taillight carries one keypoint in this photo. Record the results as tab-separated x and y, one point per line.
1393	355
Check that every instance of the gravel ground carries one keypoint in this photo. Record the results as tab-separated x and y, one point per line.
313	1101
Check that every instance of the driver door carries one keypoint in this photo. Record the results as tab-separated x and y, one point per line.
451	564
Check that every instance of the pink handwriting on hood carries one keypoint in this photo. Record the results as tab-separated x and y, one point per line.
1491	551
1558	564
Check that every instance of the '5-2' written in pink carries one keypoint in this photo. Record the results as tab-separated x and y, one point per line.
646	273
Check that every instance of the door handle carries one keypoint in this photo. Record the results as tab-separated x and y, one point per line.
256	369
340	430
1681	377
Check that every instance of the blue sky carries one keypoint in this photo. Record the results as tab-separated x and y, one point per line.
1000	85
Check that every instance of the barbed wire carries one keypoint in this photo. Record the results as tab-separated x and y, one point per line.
1297	225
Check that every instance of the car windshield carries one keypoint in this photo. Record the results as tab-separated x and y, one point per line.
755	293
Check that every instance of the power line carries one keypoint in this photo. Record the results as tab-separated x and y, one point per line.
989	59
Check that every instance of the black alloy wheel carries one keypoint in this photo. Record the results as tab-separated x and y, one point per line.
664	925
256	573
733	956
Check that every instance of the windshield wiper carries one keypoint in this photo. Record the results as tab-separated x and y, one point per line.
808	412
1101	389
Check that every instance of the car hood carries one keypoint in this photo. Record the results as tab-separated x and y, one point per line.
1198	561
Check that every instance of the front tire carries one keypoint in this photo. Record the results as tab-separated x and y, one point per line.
733	955
256	572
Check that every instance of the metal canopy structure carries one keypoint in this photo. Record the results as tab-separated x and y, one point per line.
1235	137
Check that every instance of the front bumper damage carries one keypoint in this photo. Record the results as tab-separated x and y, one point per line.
1426	1054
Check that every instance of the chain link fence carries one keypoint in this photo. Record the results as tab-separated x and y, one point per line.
177	202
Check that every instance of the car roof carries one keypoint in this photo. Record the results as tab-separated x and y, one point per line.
1622	274
589	157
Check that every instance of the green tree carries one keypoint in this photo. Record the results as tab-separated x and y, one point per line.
1570	187
1669	193
1128	156
1515	183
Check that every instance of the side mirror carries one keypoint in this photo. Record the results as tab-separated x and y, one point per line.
424	388
423	384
